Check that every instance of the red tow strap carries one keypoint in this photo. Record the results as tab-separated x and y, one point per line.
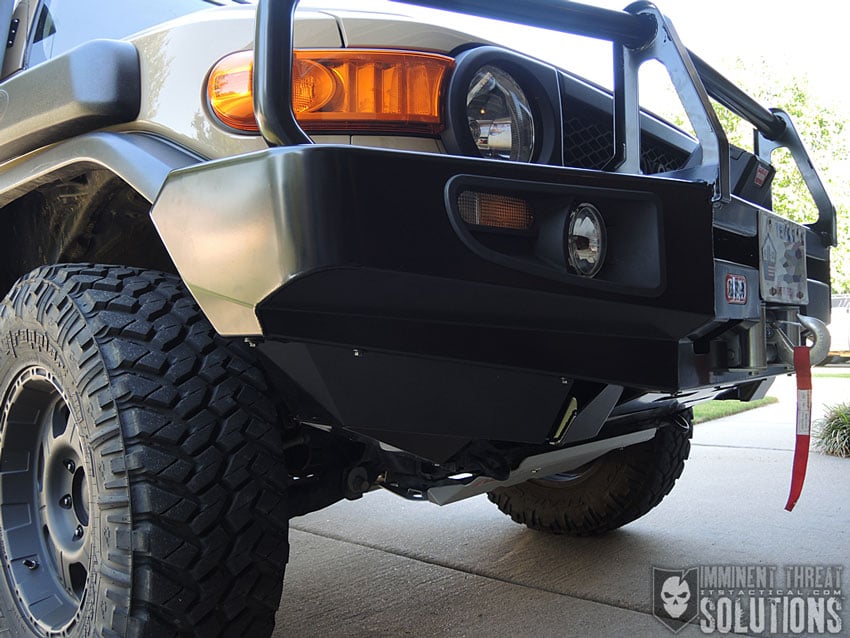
803	369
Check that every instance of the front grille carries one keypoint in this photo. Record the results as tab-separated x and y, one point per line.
588	137
589	142
658	157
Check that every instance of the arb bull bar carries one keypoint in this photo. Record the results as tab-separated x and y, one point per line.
403	329
639	33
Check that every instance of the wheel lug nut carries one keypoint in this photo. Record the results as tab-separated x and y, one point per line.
66	501
69	465
78	533
31	564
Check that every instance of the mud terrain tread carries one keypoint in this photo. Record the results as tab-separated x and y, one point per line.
203	453
618	489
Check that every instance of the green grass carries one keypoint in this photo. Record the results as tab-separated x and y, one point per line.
832	432
831	373
711	410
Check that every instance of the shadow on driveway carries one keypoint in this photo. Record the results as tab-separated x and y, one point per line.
382	566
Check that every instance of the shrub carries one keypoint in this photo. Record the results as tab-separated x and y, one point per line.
832	432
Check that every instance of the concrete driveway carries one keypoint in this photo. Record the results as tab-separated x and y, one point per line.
383	566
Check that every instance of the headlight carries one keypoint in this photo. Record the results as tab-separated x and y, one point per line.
586	240
502	105
499	115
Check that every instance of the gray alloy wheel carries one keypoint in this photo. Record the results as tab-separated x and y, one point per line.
49	554
142	486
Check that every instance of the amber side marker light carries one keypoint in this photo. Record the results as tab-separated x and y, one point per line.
377	91
494	211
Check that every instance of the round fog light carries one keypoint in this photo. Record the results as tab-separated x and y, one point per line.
586	240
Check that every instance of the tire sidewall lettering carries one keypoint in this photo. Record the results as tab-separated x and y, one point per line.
30	345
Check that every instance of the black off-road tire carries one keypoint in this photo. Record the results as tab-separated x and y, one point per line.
605	494
116	390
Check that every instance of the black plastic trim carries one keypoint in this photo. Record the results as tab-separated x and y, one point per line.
95	85
141	160
637	247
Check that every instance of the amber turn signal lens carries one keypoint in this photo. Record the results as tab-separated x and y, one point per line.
352	90
345	90
230	91
495	211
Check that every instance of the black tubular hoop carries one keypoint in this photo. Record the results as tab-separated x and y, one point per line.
630	30
273	74
273	57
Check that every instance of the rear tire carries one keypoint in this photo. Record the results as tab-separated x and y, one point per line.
605	494
141	475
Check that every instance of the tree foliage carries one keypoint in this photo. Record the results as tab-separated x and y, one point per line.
825	133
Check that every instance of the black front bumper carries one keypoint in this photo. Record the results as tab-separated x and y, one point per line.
362	248
392	317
